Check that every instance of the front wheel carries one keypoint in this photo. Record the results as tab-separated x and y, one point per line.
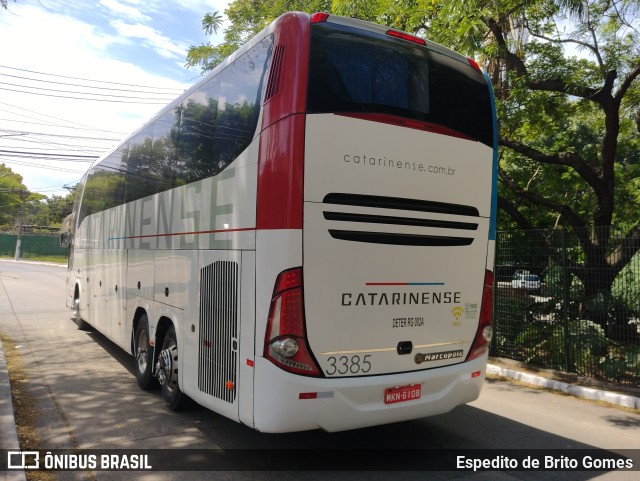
167	372
80	323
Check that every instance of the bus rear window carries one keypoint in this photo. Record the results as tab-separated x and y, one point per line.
355	71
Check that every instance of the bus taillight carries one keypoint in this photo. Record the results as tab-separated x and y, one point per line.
474	64
285	340
319	17
485	331
407	37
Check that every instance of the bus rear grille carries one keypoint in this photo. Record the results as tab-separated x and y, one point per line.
404	239
217	359
399	239
401	203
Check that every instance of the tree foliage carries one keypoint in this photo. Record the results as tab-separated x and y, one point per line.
246	18
10	187
39	210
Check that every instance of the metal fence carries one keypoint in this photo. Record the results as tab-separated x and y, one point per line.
569	301
32	246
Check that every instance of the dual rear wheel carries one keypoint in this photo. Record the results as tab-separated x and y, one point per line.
162	369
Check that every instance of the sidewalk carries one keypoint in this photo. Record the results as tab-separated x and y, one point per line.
512	370
8	435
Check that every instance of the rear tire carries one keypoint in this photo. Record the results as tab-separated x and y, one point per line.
143	352
174	398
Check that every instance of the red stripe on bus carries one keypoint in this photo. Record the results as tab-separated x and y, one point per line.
244	229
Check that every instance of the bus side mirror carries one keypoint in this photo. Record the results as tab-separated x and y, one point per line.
65	239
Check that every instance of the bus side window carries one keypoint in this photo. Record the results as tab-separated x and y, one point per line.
195	142
144	167
240	101
104	186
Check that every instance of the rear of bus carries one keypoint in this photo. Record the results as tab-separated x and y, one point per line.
383	312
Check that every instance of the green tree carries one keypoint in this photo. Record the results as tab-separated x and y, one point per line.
568	123
247	18
10	201
51	211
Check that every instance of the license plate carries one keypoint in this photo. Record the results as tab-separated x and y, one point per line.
402	393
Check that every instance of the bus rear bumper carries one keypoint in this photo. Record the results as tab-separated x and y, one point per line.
285	402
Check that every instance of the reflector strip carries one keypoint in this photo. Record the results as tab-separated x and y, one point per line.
404	283
316	395
476	374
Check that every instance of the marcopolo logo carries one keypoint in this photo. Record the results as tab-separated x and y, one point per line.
437	356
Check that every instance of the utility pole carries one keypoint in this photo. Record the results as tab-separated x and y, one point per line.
23	198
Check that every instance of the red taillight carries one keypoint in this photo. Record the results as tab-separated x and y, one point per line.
406	36
319	17
285	340
474	64
485	332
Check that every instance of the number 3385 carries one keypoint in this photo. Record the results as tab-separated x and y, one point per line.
348	365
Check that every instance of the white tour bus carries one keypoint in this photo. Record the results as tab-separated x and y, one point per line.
305	238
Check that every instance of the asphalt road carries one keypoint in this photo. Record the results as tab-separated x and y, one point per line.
88	399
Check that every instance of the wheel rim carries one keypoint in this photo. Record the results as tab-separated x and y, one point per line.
167	375
141	354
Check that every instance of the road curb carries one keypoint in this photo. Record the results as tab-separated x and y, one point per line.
8	434
583	392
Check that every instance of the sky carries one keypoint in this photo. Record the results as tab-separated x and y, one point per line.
76	76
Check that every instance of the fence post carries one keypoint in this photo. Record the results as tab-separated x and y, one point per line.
565	300
494	299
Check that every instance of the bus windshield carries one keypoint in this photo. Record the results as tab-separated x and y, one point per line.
357	71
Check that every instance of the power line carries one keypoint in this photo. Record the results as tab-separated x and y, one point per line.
175	92
40	166
66	147
35	123
63	136
85	79
19	152
58	147
98	146
132	101
168	99
86	127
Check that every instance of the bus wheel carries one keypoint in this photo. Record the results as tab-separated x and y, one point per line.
144	355
167	372
80	323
